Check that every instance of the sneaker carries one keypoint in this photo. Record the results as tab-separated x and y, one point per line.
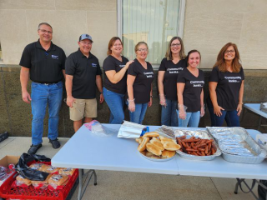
55	143
34	148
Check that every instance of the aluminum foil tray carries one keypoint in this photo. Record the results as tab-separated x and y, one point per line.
237	145
200	133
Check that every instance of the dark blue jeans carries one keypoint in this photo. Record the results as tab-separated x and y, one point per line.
41	96
231	118
115	103
168	113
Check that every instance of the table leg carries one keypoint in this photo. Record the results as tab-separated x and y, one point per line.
84	180
239	185
259	126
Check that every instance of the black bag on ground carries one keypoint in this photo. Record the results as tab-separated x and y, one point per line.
261	191
26	172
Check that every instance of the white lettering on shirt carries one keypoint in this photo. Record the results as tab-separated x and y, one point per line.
197	83
174	70
233	79
149	74
121	66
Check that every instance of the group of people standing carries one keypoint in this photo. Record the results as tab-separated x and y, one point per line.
180	84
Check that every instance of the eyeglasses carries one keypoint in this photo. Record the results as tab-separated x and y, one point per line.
45	31
175	45
229	51
140	50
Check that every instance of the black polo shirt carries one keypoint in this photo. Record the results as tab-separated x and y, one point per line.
84	71
45	66
170	77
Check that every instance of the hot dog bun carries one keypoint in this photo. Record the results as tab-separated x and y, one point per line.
153	149
142	146
168	154
157	142
151	134
171	146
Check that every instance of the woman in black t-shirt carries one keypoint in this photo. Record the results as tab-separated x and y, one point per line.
170	66
115	67
139	84
190	84
226	87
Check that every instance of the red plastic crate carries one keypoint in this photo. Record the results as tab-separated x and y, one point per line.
31	193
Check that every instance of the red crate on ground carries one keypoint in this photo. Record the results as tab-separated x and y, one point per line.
30	192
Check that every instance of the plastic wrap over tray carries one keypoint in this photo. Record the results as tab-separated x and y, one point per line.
198	133
237	145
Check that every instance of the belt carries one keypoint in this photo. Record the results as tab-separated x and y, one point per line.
48	83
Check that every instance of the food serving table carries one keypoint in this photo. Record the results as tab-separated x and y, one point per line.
89	151
255	107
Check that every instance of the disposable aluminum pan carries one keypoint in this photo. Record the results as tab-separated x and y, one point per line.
203	134
237	145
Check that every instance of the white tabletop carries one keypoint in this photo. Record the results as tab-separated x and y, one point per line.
255	107
87	151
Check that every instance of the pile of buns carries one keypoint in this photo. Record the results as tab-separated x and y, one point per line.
57	178
158	147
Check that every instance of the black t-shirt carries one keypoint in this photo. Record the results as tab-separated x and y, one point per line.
45	66
142	83
228	87
192	90
84	71
111	63
170	76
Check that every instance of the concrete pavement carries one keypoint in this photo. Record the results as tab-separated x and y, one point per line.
137	186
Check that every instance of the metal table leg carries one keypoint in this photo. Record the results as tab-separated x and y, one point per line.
259	125
239	185
84	180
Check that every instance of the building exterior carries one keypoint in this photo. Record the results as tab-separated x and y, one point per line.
204	25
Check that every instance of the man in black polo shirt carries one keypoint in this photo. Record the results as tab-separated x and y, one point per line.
43	62
83	74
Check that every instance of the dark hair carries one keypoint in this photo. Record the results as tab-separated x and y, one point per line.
236	65
138	44
168	54
190	52
111	42
44	23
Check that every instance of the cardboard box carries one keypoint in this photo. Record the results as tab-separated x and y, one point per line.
5	162
9	160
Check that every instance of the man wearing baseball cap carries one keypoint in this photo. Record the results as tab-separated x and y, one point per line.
83	74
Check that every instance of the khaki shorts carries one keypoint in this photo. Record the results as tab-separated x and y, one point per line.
83	108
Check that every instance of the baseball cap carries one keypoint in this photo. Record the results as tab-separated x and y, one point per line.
84	37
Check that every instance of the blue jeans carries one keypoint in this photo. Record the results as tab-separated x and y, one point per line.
139	114
115	103
168	113
231	118
192	119
41	96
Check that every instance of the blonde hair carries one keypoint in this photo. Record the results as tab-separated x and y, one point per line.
138	44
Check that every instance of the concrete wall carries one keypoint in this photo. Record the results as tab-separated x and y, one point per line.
210	24
19	20
15	115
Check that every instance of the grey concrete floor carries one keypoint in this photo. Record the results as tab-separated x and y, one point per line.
136	186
